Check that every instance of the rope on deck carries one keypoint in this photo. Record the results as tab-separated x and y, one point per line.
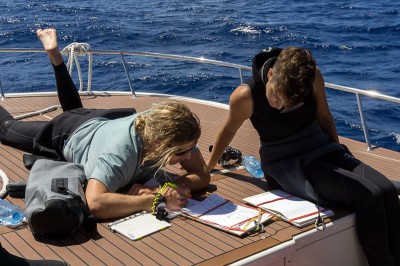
82	49
40	112
6	181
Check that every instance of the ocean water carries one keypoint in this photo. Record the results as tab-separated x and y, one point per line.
355	43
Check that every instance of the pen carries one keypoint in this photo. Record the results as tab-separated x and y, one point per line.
255	220
258	218
248	223
174	186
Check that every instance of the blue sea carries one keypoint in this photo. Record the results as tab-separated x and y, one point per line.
355	43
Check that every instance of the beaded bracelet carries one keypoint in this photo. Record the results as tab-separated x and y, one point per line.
159	197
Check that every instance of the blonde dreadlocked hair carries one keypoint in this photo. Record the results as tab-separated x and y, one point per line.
165	127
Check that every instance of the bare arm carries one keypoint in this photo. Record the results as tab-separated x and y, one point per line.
104	204
324	116
240	109
197	177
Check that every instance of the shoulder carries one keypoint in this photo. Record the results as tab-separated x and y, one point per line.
320	95
319	85
241	102
241	95
319	80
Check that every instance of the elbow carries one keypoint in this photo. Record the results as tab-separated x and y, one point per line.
206	179
95	209
196	182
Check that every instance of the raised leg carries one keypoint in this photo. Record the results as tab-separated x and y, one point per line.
67	93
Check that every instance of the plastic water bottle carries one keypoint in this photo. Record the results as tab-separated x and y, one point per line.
10	214
253	166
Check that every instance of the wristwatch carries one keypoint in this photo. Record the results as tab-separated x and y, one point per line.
161	213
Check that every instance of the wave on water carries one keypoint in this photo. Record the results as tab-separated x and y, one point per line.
355	44
397	137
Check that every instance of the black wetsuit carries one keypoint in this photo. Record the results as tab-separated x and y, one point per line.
298	156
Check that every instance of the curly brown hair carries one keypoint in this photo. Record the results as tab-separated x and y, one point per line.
164	128
294	74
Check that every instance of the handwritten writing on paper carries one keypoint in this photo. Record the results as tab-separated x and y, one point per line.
230	214
210	202
218	210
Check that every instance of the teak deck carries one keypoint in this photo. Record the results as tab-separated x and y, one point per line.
186	242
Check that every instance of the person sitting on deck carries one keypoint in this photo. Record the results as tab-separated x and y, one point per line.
300	152
113	145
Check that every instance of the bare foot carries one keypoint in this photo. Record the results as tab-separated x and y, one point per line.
48	37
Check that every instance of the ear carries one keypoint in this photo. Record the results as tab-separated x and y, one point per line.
269	73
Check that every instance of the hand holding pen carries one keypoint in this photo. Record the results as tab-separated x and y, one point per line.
176	198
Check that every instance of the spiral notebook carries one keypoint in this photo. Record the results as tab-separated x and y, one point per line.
138	225
226	215
295	210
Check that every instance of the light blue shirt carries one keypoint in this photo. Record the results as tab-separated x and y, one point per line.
109	150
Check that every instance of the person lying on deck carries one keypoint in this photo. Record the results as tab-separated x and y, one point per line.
113	145
300	152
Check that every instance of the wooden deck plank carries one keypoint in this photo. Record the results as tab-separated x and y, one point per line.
80	251
93	248
158	244
185	237
182	229
9	246
121	247
148	250
22	245
64	252
184	251
11	159
41	248
216	241
237	254
215	237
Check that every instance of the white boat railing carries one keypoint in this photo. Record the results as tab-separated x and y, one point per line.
357	92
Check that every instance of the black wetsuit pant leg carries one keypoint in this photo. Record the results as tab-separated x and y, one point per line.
343	180
68	95
18	134
47	138
21	134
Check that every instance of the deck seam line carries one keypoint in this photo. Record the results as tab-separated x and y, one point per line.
380	156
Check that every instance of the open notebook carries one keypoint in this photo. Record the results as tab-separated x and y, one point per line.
226	215
294	210
138	225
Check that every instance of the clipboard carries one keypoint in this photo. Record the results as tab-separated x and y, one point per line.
138	225
227	215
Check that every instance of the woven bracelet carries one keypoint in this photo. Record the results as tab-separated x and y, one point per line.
159	197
